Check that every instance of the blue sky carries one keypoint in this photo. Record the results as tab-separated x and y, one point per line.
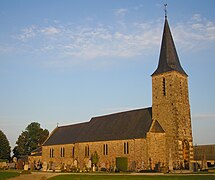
67	61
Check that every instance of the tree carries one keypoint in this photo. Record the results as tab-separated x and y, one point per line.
22	144
4	146
95	158
30	139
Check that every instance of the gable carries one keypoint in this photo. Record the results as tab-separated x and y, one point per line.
156	127
118	126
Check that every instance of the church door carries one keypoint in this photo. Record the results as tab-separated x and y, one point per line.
186	153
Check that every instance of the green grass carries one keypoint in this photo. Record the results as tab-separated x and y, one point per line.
132	177
8	174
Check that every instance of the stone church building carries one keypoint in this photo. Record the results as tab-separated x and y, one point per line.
146	137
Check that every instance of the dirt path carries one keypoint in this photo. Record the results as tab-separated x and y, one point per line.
35	176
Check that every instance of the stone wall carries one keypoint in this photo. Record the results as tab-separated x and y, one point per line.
171	109
156	143
136	153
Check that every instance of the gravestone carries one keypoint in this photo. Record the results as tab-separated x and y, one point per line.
44	166
20	164
15	159
26	167
103	165
75	163
68	166
94	168
170	161
12	165
133	165
3	165
53	166
32	167
89	164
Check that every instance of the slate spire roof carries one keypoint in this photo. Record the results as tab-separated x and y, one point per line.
168	60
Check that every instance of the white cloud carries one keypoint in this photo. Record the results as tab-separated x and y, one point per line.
107	41
121	12
199	31
197	17
95	42
50	30
27	33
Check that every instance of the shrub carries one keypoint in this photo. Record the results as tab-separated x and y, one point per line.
122	163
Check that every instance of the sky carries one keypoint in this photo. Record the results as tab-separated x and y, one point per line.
70	60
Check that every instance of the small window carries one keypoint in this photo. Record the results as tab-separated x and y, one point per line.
181	88
73	151
105	149
62	152
51	153
126	148
87	151
164	86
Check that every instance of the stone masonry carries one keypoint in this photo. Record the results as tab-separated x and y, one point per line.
171	108
137	153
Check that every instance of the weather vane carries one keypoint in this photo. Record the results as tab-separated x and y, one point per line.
165	10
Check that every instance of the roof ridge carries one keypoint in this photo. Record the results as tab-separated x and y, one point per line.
121	112
81	123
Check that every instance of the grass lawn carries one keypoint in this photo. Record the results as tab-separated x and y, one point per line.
8	174
132	177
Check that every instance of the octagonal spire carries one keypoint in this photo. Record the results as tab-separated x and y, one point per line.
168	60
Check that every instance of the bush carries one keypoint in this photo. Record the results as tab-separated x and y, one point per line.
122	163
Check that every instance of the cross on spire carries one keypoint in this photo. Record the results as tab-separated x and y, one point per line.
165	10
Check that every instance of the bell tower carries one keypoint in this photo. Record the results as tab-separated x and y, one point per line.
170	103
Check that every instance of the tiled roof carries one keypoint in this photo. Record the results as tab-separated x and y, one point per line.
118	126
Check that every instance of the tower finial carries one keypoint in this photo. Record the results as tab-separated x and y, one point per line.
165	10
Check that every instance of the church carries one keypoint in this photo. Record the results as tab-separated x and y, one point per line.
157	136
